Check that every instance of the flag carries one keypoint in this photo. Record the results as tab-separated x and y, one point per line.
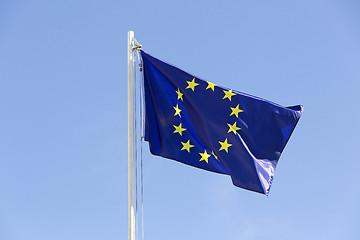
214	128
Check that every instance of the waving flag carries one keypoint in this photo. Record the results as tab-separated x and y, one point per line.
214	128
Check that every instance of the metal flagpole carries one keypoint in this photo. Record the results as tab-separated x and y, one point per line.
131	162
133	45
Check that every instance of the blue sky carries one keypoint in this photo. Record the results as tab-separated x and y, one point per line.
63	123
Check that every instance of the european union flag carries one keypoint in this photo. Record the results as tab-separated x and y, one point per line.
214	128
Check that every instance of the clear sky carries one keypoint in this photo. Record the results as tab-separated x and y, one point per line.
63	117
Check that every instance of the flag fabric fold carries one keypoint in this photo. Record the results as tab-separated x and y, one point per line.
214	128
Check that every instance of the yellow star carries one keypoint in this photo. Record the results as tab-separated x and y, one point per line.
236	111
225	145
214	155
192	84
233	128
179	95
228	94
179	129
177	110
204	157
186	146
210	85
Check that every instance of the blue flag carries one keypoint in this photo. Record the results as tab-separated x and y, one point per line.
214	128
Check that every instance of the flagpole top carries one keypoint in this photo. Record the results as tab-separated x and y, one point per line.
135	44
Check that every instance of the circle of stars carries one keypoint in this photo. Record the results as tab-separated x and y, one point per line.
233	128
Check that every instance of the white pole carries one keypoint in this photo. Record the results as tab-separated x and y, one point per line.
131	162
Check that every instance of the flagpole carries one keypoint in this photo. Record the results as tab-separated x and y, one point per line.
131	162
